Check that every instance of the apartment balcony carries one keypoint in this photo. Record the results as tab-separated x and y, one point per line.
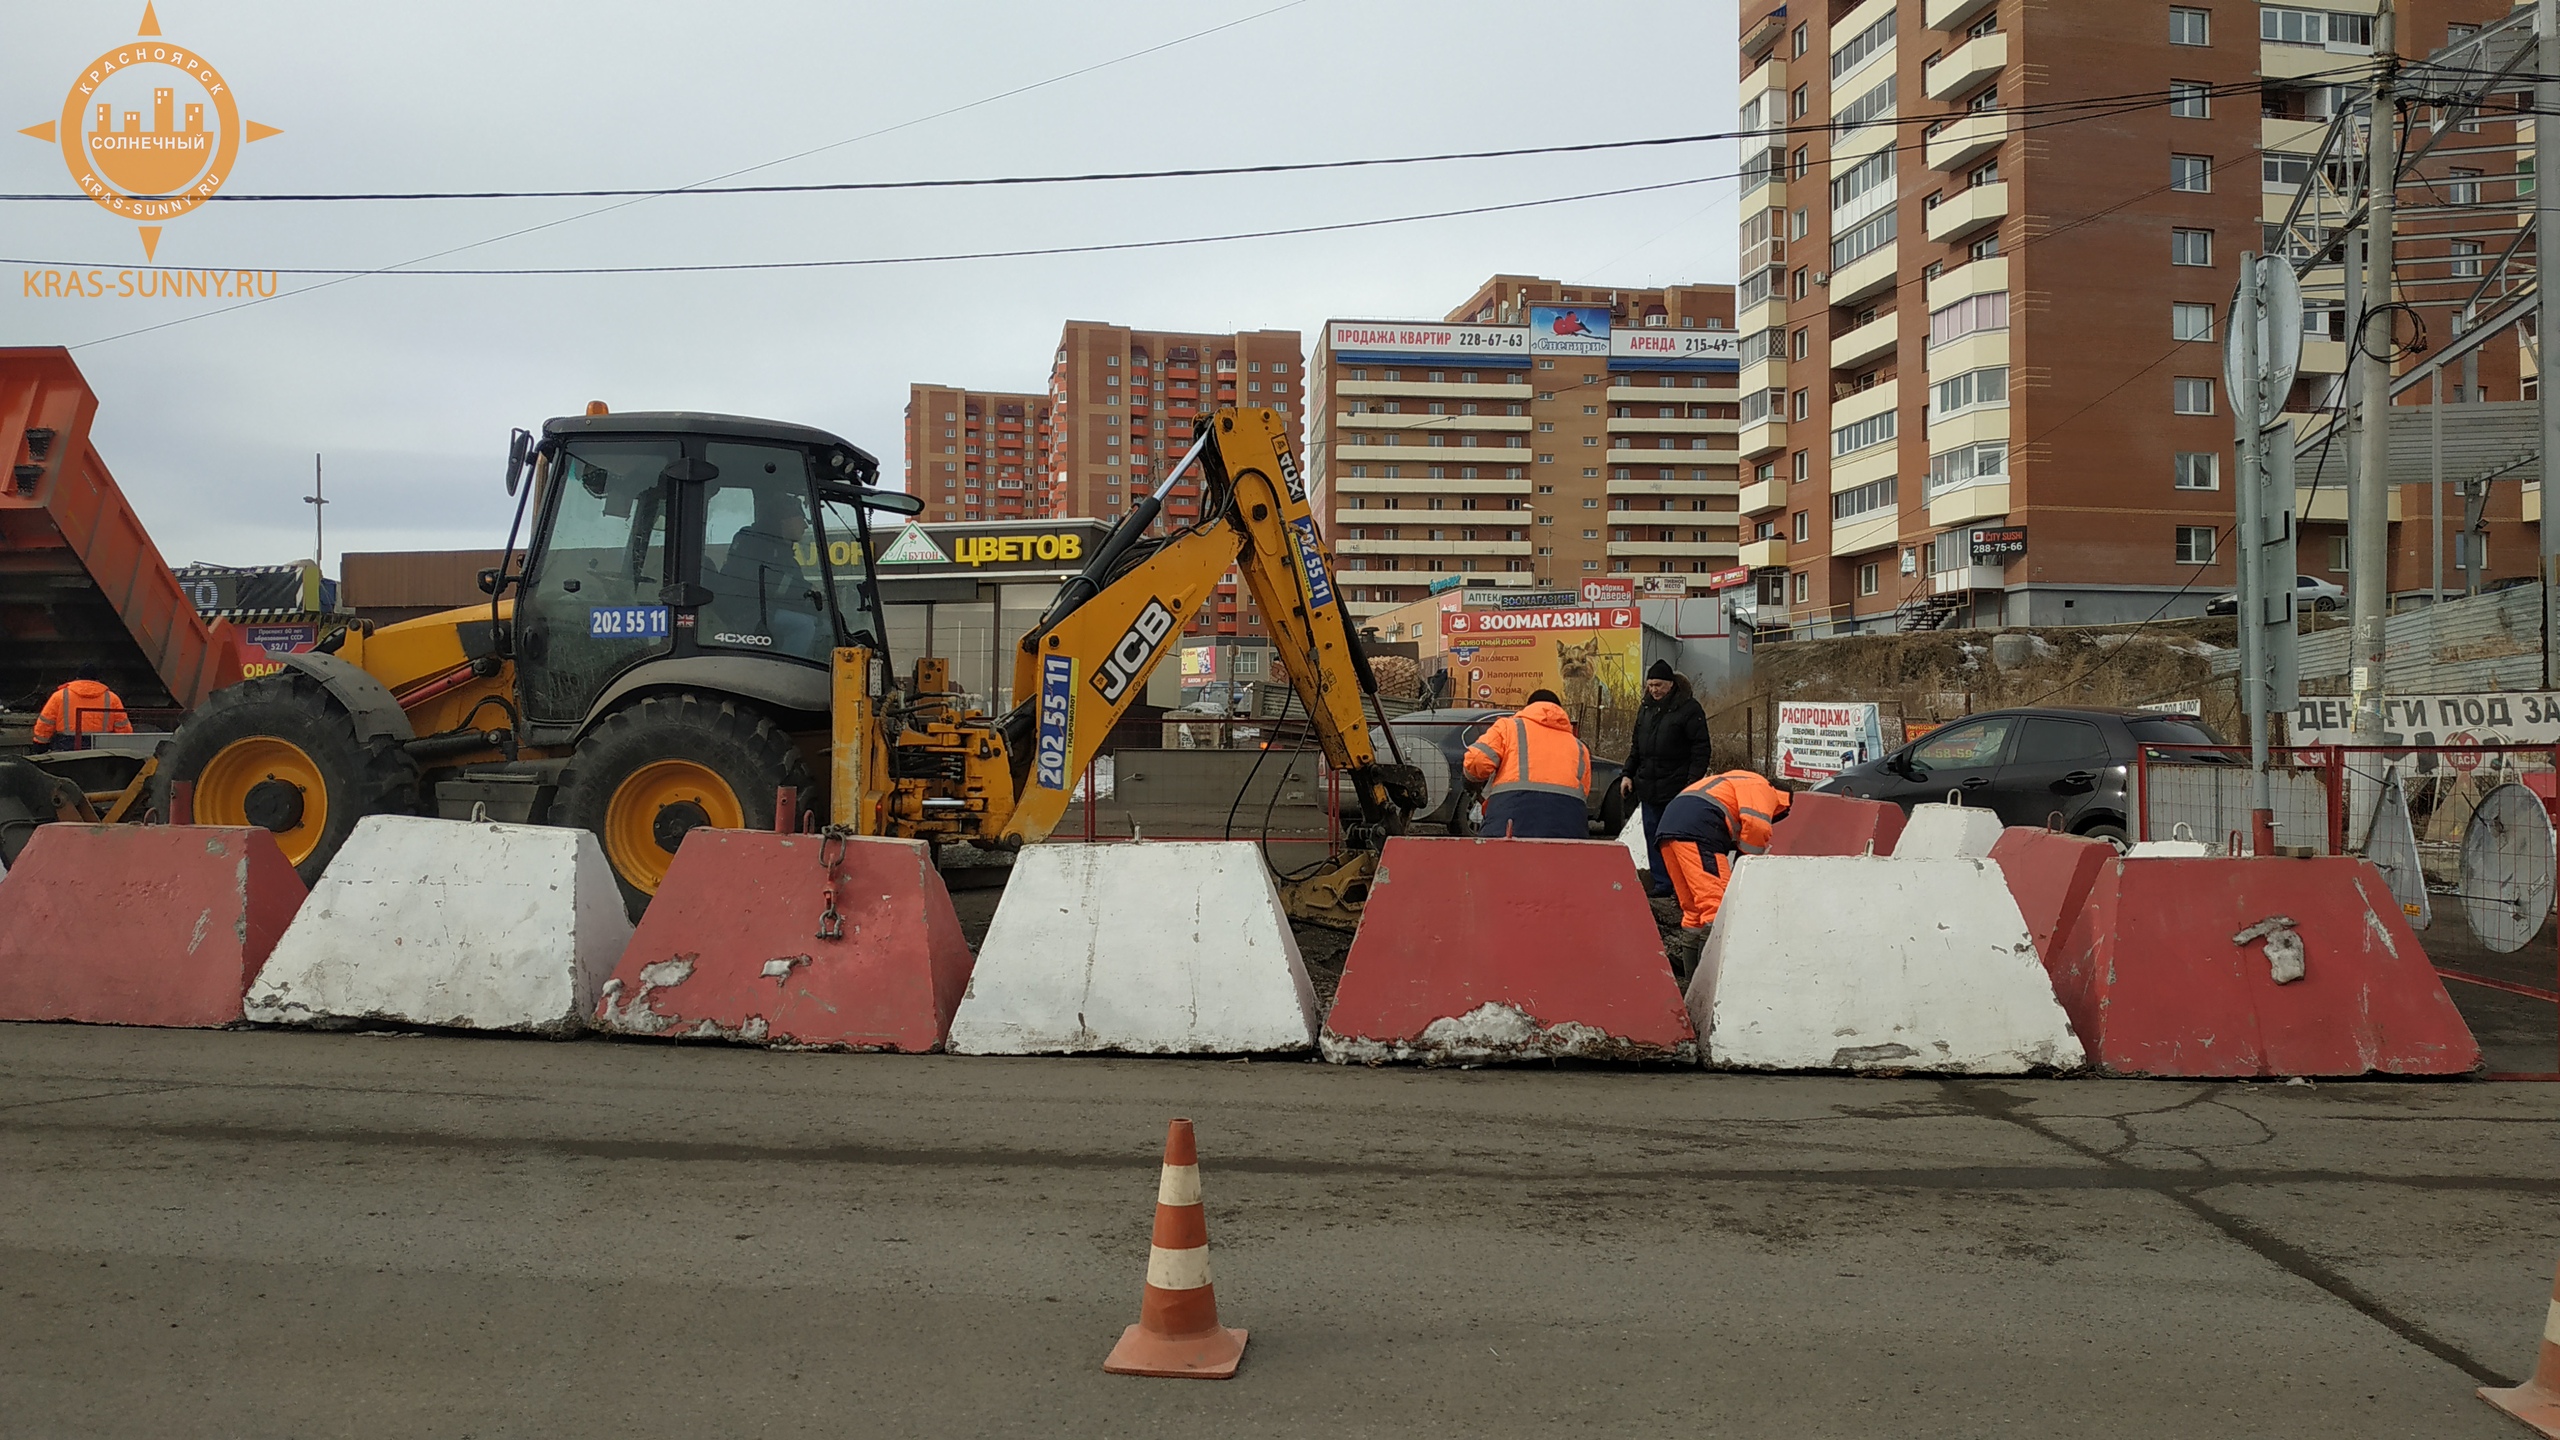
1967	577
1767	315
2329	503
2296	62
1769	79
1965	142
2301	137
1870	274
1674	549
1857	21
1985	497
1970	352
2329	357
1434	454
1675	425
1962	70
1865	343
1874	400
1876	462
1504	548
1674	488
1449	423
1954	15
1762	496
1963	213
1768	373
1722	390
1374	485
1764	437
1494	386
1766	554
1979	277
1857	145
1870	532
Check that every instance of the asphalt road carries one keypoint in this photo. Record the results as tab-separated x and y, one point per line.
258	1233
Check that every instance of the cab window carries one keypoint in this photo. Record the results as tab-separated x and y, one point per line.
760	555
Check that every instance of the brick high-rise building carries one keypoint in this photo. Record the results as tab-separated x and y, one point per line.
976	454
1123	402
1544	434
1967	305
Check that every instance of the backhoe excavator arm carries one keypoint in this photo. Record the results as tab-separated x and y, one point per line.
1088	659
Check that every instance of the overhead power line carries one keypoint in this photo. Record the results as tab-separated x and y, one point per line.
1765	134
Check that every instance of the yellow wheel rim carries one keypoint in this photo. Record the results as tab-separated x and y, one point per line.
635	839
243	768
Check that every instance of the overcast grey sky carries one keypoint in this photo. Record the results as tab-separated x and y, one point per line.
409	384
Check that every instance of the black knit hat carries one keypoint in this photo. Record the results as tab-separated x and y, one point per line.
1549	696
1661	670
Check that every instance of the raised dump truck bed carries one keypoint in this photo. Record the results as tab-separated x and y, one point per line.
80	580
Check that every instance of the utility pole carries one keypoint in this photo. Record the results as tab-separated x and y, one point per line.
2368	503
2248	409
319	533
2546	220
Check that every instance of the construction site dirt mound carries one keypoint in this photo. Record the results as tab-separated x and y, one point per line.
1934	676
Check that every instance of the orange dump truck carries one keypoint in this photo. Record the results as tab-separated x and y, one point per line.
81	583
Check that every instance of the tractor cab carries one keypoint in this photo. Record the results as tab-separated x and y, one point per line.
689	549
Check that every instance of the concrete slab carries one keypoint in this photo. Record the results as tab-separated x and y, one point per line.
1876	964
1157	948
1948	832
450	923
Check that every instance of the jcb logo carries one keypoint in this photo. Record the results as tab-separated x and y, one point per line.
1128	659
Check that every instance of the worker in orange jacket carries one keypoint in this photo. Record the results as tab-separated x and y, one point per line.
1535	773
1706	828
85	706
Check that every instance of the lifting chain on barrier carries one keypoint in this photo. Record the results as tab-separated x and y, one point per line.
832	845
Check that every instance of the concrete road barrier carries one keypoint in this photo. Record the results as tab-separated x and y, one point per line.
141	924
1483	950
1871	963
806	940
2050	876
2249	967
1155	948
450	923
1819	824
1947	832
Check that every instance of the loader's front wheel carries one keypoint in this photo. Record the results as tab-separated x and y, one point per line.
651	772
281	753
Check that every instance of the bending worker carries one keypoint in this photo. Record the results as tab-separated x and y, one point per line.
1705	828
1534	772
83	706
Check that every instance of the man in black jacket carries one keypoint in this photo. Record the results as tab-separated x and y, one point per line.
1669	753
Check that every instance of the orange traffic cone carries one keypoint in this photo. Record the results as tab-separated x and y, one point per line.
1178	1335
2536	1402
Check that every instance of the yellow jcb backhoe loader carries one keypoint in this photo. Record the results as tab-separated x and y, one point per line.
694	628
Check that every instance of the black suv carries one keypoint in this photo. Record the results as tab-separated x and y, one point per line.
2027	766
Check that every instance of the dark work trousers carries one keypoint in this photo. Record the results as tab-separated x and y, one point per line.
1659	878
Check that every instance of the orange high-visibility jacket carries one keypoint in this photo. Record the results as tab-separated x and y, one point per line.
1726	813
82	707
1533	751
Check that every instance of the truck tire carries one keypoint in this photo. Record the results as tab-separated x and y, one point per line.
281	753
651	771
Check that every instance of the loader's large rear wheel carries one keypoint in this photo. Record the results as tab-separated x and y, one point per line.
650	772
282	754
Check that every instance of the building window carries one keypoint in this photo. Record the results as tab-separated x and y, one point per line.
1796	466
1546	365
2191	173
2195	544
2191	247
1965	464
1801	583
1969	316
2190	99
2190	27
2462	187
1800	405
1864	500
2191	395
2466	269
1874	430
1800	526
2197	470
2337	554
1870	578
2190	322
1972	389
